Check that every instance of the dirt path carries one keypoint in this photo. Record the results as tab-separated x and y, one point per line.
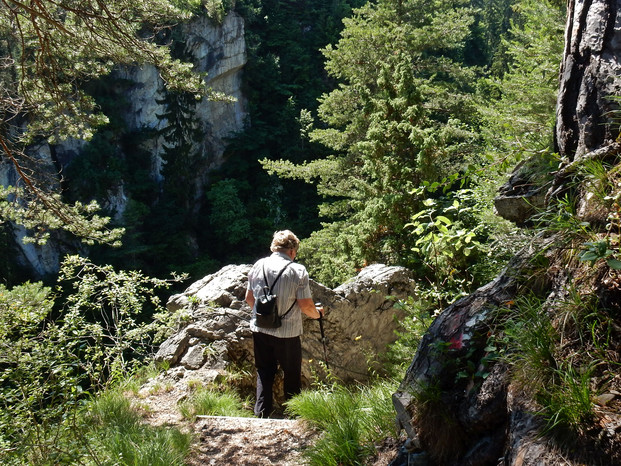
223	440
245	441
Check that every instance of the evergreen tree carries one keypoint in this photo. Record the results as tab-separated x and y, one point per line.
49	50
520	94
402	114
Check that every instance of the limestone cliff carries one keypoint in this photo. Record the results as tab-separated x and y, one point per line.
218	50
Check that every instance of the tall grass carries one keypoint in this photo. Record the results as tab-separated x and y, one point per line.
351	421
561	385
118	436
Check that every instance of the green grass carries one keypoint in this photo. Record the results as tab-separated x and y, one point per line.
350	419
206	402
118	436
560	385
568	403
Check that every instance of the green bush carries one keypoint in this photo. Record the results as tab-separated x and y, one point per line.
52	358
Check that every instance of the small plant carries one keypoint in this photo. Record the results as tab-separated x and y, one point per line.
604	248
194	384
596	250
568	403
559	377
532	340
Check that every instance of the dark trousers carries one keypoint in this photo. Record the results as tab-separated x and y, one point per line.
269	352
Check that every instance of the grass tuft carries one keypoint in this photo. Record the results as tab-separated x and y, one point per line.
351	419
118	435
206	402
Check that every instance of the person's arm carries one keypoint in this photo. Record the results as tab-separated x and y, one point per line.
308	307
250	298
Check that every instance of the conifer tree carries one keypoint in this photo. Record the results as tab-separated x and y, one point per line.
400	114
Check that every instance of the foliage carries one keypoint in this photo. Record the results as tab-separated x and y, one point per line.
229	216
283	77
54	48
352	420
49	51
413	326
560	377
48	211
519	95
388	124
50	359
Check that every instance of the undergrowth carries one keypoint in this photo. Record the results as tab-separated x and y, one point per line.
351	420
558	353
118	435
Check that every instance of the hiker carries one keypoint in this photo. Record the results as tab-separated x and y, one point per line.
277	338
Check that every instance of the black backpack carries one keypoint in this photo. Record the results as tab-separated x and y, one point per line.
267	305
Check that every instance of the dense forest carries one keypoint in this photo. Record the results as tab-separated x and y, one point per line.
379	132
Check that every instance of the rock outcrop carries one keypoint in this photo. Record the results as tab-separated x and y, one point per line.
519	198
587	79
360	322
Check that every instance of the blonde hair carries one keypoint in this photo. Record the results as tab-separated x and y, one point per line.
284	239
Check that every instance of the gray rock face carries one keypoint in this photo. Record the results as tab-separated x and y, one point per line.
588	69
479	417
359	323
519	198
217	49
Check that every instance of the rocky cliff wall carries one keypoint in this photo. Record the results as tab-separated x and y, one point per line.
216	49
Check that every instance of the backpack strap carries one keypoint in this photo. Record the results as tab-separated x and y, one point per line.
271	288
273	284
291	307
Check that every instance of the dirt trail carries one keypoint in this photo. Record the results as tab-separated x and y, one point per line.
250	441
247	441
221	440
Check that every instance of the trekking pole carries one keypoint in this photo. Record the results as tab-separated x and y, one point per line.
323	337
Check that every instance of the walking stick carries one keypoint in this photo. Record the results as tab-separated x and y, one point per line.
323	338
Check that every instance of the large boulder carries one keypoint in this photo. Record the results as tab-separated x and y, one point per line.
360	322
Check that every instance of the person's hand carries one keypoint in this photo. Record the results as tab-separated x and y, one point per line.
320	310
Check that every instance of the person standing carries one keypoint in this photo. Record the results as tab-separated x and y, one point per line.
281	345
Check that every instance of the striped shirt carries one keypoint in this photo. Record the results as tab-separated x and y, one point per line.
292	285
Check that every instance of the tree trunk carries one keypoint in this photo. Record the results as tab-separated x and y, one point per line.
590	74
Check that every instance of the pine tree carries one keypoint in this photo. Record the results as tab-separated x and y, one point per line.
401	112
